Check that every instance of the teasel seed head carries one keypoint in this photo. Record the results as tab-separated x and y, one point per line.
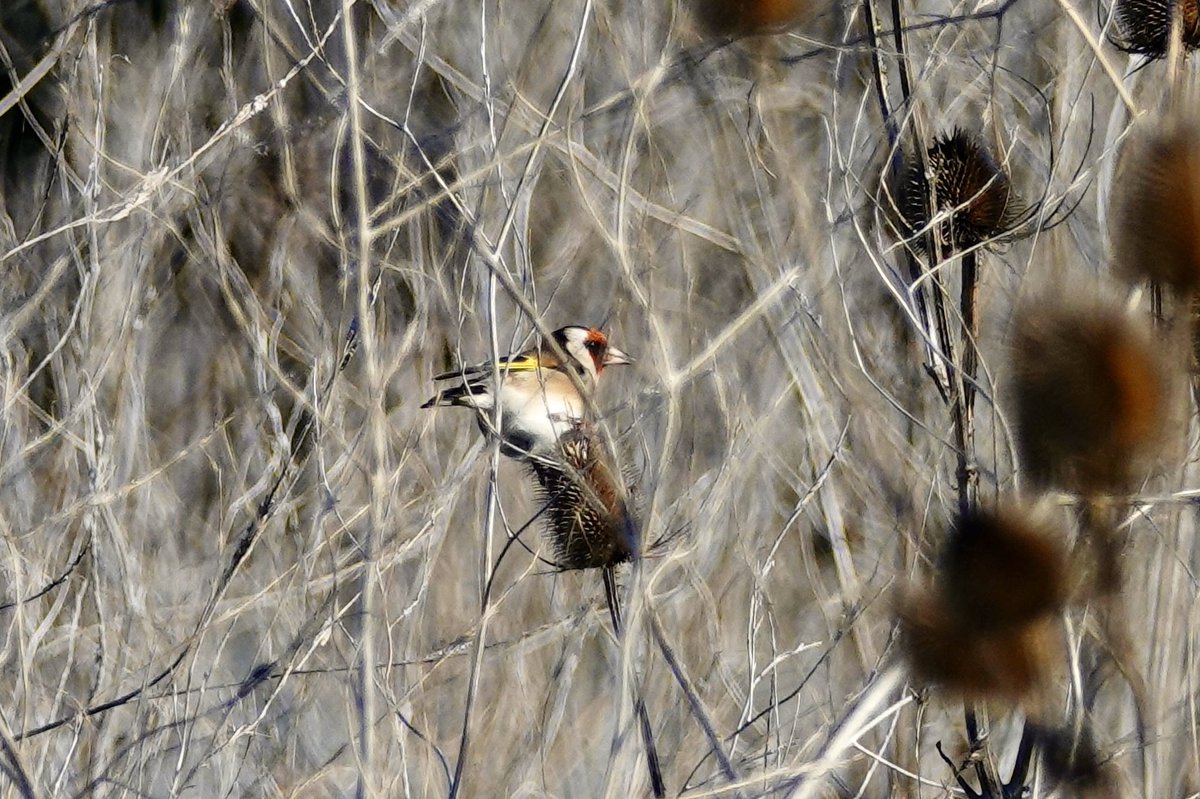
1010	664
985	627
1091	398
1144	26
1156	207
749	17
588	516
970	193
1001	570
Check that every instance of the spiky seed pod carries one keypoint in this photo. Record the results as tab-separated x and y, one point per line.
747	17
1001	664
1156	207
1091	399
985	627
969	191
1144	26
588	519
1001	570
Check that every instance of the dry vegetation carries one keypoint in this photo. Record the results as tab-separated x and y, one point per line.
238	237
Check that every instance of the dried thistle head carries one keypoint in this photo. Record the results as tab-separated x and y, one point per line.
1091	398
1001	664
588	519
969	192
985	627
1001	570
1144	26
1156	207
748	17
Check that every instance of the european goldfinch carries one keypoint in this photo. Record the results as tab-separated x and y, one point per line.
539	400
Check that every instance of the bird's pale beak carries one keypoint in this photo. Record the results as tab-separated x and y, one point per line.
615	357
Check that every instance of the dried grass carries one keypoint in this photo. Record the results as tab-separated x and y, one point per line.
232	568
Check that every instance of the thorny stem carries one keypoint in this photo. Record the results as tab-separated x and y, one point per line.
953	370
968	476
1020	770
877	68
970	323
956	380
895	159
990	786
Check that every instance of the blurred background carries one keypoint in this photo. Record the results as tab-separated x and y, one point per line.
208	527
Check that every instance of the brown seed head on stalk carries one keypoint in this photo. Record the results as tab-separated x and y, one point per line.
1156	207
985	628
970	194
1000	571
588	519
1002	664
1091	399
1144	26
749	17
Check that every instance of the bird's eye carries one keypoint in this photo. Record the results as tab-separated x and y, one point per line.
594	345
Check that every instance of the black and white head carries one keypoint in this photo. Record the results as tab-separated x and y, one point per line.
590	349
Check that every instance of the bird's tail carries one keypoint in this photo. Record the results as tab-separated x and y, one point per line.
456	396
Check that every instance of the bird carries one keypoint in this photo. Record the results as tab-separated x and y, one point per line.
539	399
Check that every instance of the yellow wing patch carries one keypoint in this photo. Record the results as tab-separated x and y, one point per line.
521	363
524	362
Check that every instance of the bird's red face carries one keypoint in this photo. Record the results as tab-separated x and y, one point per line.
597	346
589	348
